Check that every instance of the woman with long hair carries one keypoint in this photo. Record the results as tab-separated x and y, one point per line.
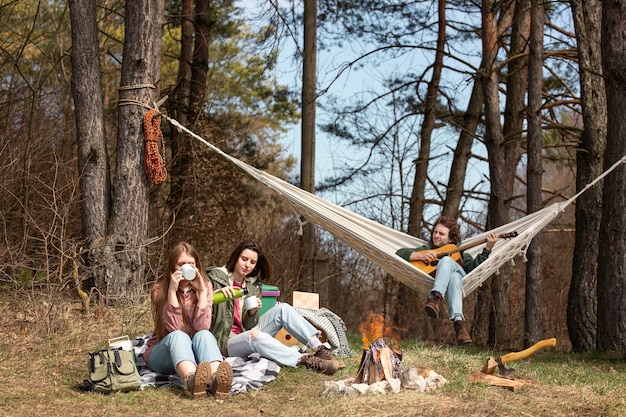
241	331
182	343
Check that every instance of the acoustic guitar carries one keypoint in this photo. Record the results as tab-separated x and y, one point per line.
452	251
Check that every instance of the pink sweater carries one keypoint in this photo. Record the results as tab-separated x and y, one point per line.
188	317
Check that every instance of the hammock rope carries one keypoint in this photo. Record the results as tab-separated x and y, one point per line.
378	243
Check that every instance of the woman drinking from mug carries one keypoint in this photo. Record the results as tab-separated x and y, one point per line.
182	342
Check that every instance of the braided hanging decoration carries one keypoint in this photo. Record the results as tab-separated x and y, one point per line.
153	162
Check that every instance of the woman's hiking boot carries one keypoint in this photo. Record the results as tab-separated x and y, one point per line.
324	366
433	305
324	353
196	382
462	335
222	380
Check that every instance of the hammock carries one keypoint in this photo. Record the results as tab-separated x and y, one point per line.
379	243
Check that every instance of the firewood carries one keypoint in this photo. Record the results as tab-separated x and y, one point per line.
497	380
385	360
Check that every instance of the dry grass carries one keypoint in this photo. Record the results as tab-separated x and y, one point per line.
43	353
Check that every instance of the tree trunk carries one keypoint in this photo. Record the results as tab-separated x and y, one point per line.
534	201
612	263
183	188
178	106
581	305
462	152
416	208
129	219
503	159
307	179
93	159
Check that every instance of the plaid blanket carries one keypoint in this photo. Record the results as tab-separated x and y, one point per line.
251	373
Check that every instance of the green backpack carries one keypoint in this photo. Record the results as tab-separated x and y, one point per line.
112	370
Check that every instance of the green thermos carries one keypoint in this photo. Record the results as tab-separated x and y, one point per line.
219	297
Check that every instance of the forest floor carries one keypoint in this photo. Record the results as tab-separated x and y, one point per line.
44	347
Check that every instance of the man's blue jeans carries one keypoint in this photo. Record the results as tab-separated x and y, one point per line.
449	279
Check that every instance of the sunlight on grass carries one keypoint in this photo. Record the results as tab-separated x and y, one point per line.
564	383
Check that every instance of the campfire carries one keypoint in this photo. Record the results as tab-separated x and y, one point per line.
379	363
381	369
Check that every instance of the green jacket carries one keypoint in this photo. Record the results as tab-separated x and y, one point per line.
223	313
469	262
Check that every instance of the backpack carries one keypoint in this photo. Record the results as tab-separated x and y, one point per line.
113	370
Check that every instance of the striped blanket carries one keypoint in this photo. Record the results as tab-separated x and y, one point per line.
251	373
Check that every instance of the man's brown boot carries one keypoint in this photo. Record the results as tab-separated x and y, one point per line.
433	305
462	335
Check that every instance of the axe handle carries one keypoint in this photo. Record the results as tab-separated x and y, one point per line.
516	356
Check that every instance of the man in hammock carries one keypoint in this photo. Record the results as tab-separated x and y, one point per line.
449	273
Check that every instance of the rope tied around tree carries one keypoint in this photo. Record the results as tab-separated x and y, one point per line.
154	162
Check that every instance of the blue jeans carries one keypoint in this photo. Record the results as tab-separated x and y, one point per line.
449	279
177	346
264	343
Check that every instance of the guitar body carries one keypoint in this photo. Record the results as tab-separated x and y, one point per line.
452	251
445	250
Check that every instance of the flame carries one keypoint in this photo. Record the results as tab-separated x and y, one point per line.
375	327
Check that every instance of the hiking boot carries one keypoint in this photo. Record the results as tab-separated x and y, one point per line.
433	305
327	367
222	380
324	353
462	335
196	382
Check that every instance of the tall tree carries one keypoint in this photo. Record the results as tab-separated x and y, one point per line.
612	263
178	201
534	200
93	159
484	327
417	201
503	159
309	103
126	241
581	304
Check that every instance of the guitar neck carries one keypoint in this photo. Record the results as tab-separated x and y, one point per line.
461	248
473	244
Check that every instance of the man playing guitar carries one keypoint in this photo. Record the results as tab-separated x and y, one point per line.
449	270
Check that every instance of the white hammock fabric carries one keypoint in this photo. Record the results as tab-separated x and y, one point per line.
379	243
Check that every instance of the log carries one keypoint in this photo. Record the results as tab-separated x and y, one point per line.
385	361
500	381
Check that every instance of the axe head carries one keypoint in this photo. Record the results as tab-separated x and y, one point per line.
491	365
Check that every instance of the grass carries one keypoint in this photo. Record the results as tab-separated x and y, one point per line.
43	356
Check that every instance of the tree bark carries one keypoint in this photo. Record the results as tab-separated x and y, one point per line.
612	263
183	190
502	164
309	101
179	109
128	225
534	201
581	305
416	208
93	159
462	152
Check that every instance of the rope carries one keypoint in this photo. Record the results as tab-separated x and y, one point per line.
153	162
378	243
136	86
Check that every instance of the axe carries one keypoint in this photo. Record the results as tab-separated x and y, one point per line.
499	361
